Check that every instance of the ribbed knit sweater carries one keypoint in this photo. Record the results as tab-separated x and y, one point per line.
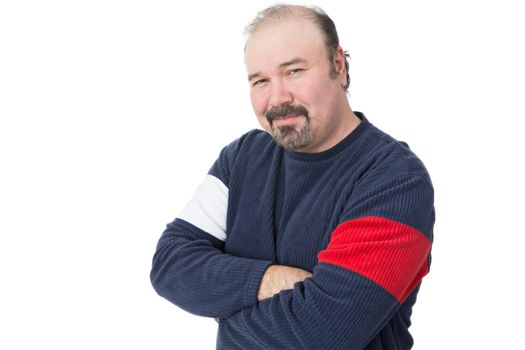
359	216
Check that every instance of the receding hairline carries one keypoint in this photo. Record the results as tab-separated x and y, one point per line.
315	15
281	12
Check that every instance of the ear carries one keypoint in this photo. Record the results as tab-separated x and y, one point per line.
339	62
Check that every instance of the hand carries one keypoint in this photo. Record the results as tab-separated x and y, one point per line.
278	278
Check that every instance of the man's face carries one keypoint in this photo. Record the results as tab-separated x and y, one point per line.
291	91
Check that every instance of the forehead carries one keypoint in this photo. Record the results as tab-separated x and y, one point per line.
281	40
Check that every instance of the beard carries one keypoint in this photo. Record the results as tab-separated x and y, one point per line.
293	138
290	137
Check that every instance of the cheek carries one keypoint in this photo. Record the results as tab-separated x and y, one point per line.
259	103
315	96
307	92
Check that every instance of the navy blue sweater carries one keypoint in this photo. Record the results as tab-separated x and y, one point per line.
359	216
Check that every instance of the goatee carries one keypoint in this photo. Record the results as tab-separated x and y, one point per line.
290	137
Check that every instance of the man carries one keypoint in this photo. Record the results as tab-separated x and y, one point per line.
314	234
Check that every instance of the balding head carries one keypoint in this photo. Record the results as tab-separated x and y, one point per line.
282	12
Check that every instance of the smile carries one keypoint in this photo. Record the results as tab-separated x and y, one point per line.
286	120
287	117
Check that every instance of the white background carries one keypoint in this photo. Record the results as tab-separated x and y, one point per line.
113	111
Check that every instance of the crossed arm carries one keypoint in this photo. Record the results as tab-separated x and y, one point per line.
191	270
369	268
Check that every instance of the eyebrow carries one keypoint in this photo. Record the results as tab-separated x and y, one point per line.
292	62
282	65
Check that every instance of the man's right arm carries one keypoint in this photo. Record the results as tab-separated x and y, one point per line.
190	270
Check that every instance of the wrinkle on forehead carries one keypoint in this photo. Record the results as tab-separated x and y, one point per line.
283	44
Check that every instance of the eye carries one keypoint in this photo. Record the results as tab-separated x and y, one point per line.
295	71
259	82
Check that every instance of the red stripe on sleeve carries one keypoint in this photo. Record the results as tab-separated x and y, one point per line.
391	254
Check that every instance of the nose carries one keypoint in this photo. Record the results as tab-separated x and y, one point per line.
279	94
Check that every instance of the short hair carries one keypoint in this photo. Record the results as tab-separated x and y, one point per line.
314	14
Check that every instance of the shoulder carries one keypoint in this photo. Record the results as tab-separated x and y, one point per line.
392	183
255	143
385	158
251	142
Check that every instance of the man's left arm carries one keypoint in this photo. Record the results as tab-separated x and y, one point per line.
375	259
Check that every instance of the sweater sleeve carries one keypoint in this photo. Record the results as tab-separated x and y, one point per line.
376	257
190	268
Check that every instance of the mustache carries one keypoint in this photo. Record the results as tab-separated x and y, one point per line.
285	110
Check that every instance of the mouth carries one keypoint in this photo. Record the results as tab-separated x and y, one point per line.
286	119
287	116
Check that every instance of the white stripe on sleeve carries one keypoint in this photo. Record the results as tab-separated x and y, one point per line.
207	209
